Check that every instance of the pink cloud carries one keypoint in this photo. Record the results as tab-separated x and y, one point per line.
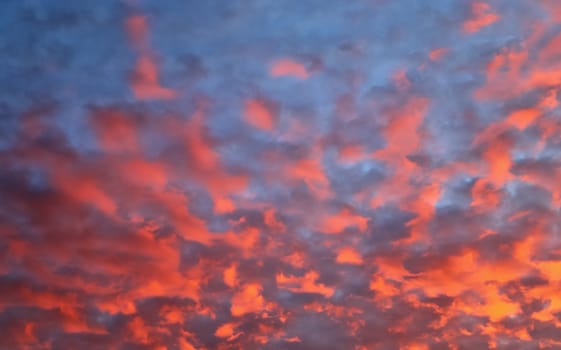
288	67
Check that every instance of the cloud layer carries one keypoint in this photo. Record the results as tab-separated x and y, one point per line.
252	174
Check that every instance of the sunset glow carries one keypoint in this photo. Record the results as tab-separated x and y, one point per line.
299	175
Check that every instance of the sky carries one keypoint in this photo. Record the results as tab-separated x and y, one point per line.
259	174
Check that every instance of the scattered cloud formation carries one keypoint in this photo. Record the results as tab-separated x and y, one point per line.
271	175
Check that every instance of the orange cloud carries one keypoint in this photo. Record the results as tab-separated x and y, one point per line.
437	54
227	330
306	284
337	223
349	256
248	300
230	276
273	222
351	153
259	115
145	81
482	16
288	67
522	118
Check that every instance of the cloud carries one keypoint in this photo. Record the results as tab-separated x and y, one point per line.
325	175
288	67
